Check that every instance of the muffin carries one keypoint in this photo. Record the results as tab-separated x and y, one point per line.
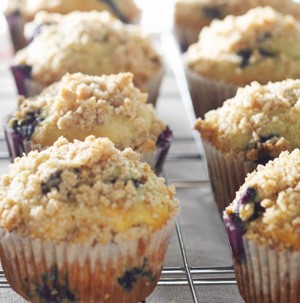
252	128
81	105
19	12
192	15
92	43
261	45
84	222
263	227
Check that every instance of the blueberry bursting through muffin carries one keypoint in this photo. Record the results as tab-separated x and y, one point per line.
247	53
247	210
26	127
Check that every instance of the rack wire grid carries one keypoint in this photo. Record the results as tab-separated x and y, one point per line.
183	275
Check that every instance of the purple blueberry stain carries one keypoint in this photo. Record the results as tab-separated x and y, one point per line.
50	289
131	276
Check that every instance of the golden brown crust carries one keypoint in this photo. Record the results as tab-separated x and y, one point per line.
92	43
271	213
81	105
259	122
261	45
84	192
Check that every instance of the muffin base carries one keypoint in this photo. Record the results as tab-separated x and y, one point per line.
207	94
186	36
226	173
268	275
124	272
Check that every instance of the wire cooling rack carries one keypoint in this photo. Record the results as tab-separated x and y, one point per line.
185	274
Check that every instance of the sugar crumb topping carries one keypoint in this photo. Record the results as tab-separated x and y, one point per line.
79	105
262	45
260	121
84	192
93	43
274	218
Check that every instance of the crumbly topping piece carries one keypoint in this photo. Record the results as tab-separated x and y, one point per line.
84	192
267	206
80	105
195	13
29	8
261	45
93	43
258	123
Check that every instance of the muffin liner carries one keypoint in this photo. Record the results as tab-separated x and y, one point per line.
18	145
43	271
186	36
28	87
15	23
226	172
207	94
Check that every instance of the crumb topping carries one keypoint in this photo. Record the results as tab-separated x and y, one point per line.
258	123
187	11
84	192
267	206
29	8
93	43
81	105
262	45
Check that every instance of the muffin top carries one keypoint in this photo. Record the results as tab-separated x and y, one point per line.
267	206
261	45
84	192
125	10
93	43
258	123
81	105
198	13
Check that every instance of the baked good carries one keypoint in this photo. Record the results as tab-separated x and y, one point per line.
262	45
19	12
93	43
192	15
81	105
264	232
252	128
84	222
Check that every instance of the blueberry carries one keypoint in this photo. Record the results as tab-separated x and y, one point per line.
245	55
212	12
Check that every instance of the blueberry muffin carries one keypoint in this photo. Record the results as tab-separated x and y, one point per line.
81	105
252	128
93	43
19	12
84	222
192	15
263	227
262	45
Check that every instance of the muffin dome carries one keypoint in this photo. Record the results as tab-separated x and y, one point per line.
126	10
262	45
267	207
258	123
81	105
84	192
93	43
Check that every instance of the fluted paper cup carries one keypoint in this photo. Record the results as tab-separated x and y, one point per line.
44	271
207	94
15	23
226	172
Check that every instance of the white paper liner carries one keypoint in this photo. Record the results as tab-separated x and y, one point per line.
186	36
207	94
153	87
91	273
226	173
268	275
